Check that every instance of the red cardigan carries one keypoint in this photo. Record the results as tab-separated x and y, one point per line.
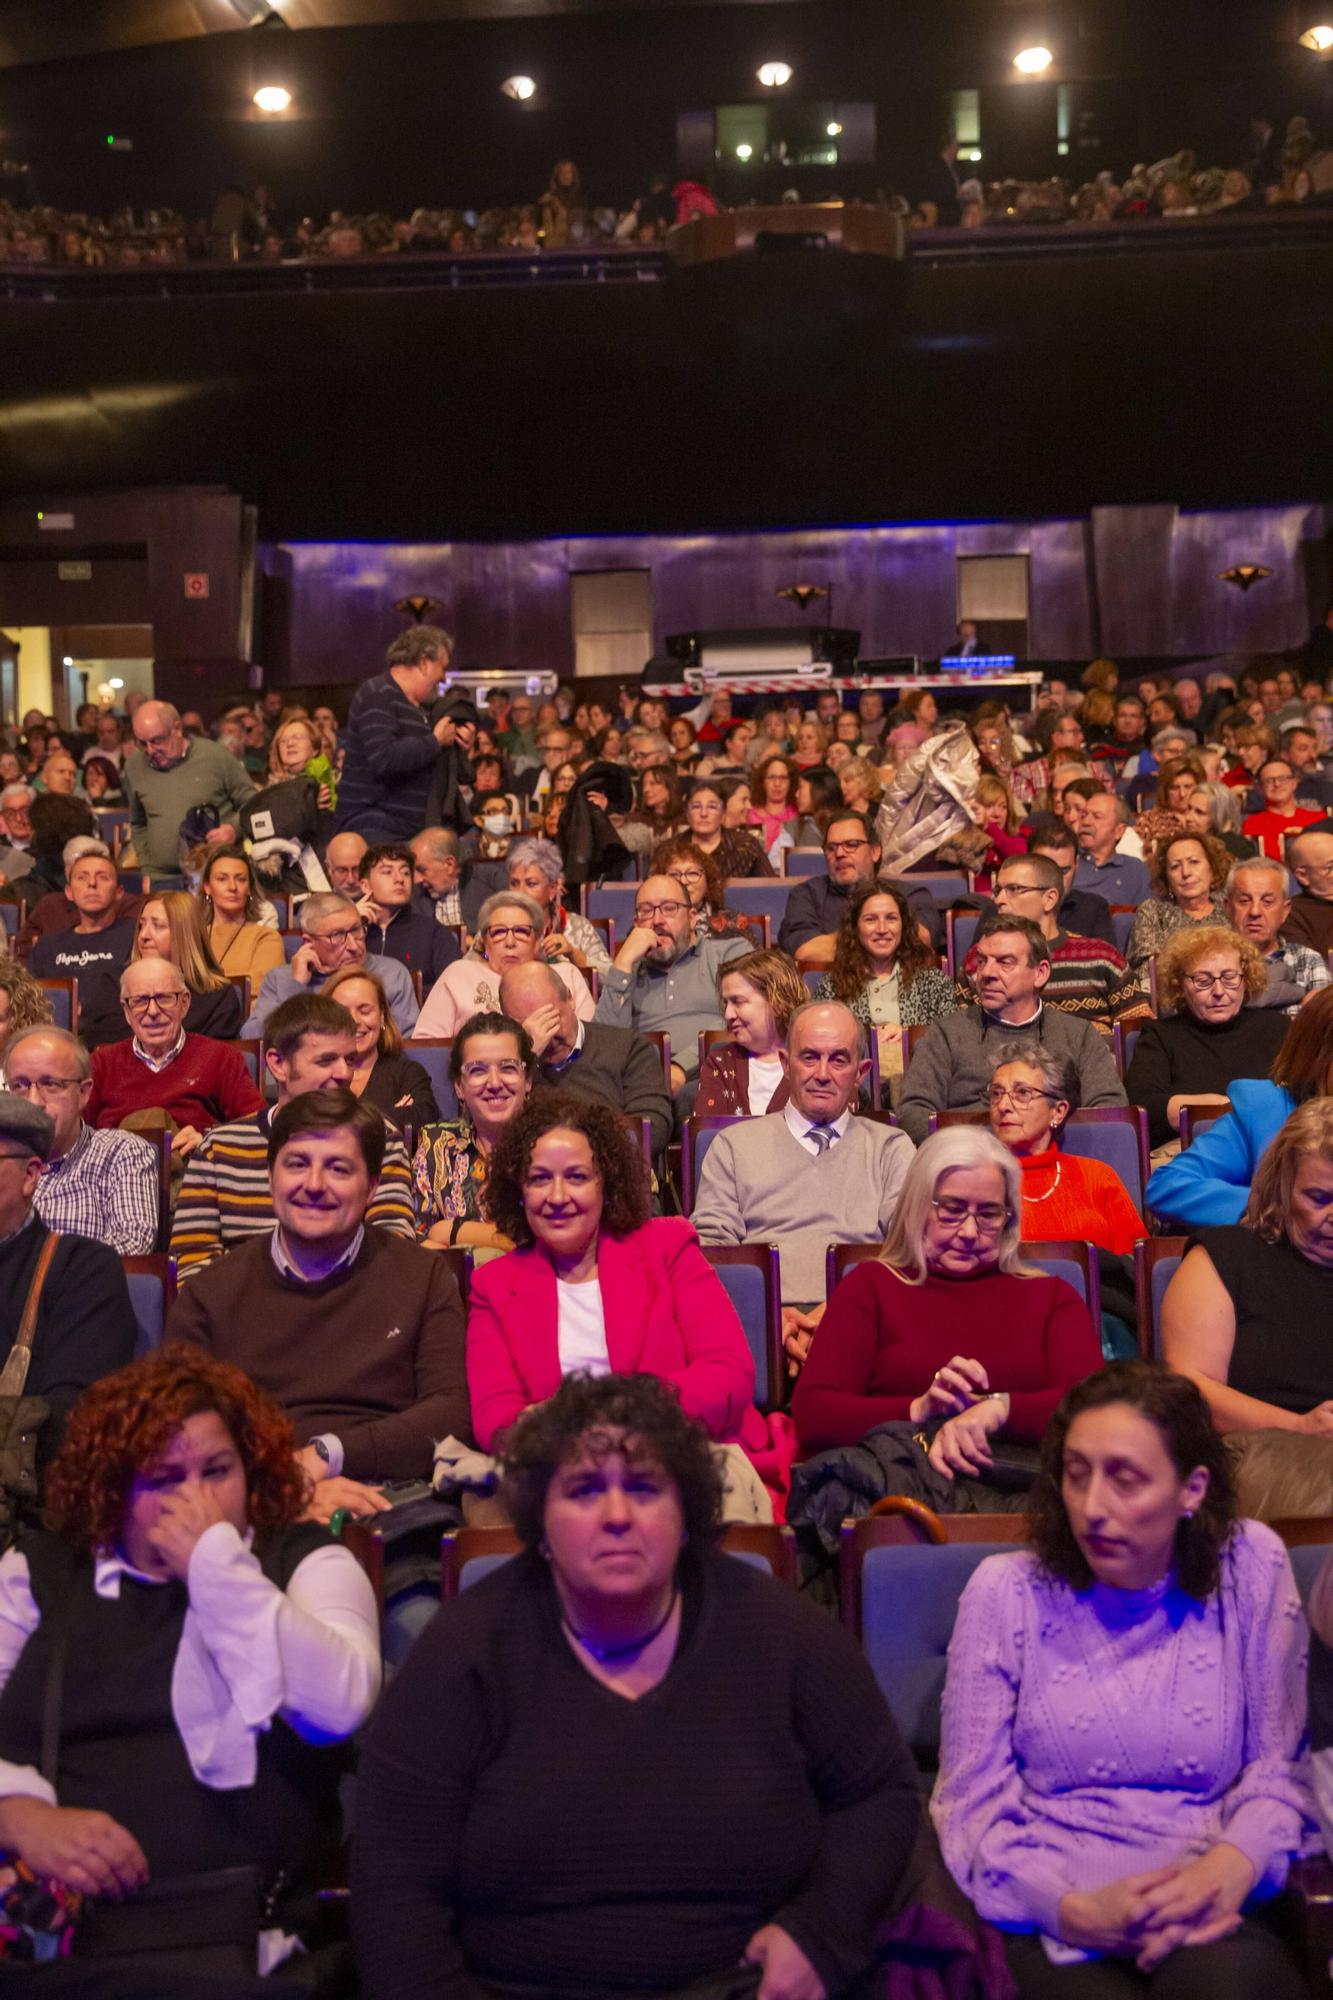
881	1341
207	1084
667	1314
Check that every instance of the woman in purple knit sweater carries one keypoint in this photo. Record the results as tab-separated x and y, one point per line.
1122	1772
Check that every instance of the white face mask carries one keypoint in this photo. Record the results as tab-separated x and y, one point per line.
497	824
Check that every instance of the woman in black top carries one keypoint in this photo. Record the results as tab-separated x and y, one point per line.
625	1762
1207	1035
393	1082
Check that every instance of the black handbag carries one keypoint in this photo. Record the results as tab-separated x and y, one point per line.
21	1416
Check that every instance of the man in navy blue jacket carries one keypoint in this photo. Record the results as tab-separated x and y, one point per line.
392	748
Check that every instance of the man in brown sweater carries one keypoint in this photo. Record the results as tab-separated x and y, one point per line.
357	1334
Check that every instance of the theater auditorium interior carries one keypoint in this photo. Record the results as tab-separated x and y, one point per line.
666	999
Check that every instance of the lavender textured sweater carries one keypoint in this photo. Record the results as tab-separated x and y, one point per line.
1092	1734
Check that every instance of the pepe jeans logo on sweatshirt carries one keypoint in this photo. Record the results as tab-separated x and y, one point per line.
393	1333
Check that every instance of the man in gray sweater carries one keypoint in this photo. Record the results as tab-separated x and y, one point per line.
167	776
950	1069
809	1175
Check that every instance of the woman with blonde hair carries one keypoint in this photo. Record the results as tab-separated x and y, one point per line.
23	1004
947	1334
745	1077
1209	1031
296	745
381	1073
171	925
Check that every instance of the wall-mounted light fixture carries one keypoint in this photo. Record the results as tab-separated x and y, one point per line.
773	75
1033	62
518	89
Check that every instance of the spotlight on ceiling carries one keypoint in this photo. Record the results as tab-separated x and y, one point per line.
68	660
774	74
272	97
833	128
518	89
1032	62
744	152
1319	39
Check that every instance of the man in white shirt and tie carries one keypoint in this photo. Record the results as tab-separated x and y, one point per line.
809	1175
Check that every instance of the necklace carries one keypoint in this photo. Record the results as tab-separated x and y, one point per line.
1050	1190
603	1654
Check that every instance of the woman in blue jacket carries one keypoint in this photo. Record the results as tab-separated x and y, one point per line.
1208	1184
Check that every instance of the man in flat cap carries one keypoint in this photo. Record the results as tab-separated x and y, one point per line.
85	1324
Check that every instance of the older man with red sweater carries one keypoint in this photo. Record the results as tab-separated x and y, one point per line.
197	1081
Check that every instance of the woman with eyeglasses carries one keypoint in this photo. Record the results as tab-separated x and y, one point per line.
735	851
703	887
1065	1198
1209	1031
490	1066
946	1335
510	927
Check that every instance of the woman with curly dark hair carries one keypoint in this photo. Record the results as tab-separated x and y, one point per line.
595	1283
884	971
1189	872
726	1787
703	885
207	1646
1121	1771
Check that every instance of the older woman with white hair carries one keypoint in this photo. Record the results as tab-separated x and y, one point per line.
510	928
1213	807
537	869
947	1331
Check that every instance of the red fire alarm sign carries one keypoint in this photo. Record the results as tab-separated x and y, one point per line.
196	583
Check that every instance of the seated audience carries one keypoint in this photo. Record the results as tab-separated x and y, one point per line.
1311	918
342	863
615	1066
396	928
358	1335
664	977
1247	1313
883	970
1281	816
1065	1198
773	790
509	932
98	1184
214	1649
1209	1182
94	951
1104	867
1210	1029
84	1324
1214	808
1088	978
23	1004
810	1174
1189	876
225	1198
16	802
334	935
736	851
171	926
660	810
241	942
594	1282
815	907
57	911
435	871
700	878
382	1072
951	1065
818	794
196	1081
56	820
101	782
490	1067
747	1076
791	1875
1124	1842
1258	903
536	871
920	1333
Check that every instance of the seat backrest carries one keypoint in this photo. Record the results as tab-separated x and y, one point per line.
11	915
945	885
1197	1118
1076	1263
803	861
1117	1135
759	895
249	1054
63	998
961	927
1122	923
469	1555
614	900
699	1135
839	1259
434	1057
749	1274
152	1287
1156	1261
291	943
459	1261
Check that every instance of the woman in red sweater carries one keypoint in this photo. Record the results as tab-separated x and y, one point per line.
947	1327
1065	1199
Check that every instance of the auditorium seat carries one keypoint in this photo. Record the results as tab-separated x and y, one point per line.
468	1555
751	1279
700	1132
152	1287
63	996
434	1056
802	862
1156	1261
1076	1263
1196	1117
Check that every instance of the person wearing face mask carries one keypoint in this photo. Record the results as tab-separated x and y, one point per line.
664	977
509	932
490	1067
1123	1838
492	829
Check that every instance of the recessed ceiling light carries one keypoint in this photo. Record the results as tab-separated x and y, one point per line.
1319	39
833	128
1031	62
519	88
743	152
774	74
272	97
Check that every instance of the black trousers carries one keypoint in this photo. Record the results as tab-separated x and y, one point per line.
1251	1963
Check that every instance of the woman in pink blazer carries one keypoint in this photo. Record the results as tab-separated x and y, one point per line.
596	1284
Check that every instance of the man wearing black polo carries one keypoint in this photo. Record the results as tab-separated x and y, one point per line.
815	906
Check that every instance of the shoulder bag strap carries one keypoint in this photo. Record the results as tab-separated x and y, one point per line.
52	1697
15	1372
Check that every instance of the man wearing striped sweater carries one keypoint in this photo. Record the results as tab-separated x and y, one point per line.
225	1198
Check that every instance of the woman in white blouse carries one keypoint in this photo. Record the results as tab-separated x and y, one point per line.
206	1649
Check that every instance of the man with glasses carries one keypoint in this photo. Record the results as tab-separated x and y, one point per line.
98	1184
950	1069
1281	816
810	1174
224	1198
1258	903
171	774
1088	978
16	819
663	978
1080	910
196	1081
815	907
554	745
95	950
1311	917
334	936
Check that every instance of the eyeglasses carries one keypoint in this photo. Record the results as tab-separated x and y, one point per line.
497	933
144	1003
1203	982
1021	1094
645	912
46	1086
687	875
338	937
832	847
1007	888
18	1156
989	1216
510	1070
